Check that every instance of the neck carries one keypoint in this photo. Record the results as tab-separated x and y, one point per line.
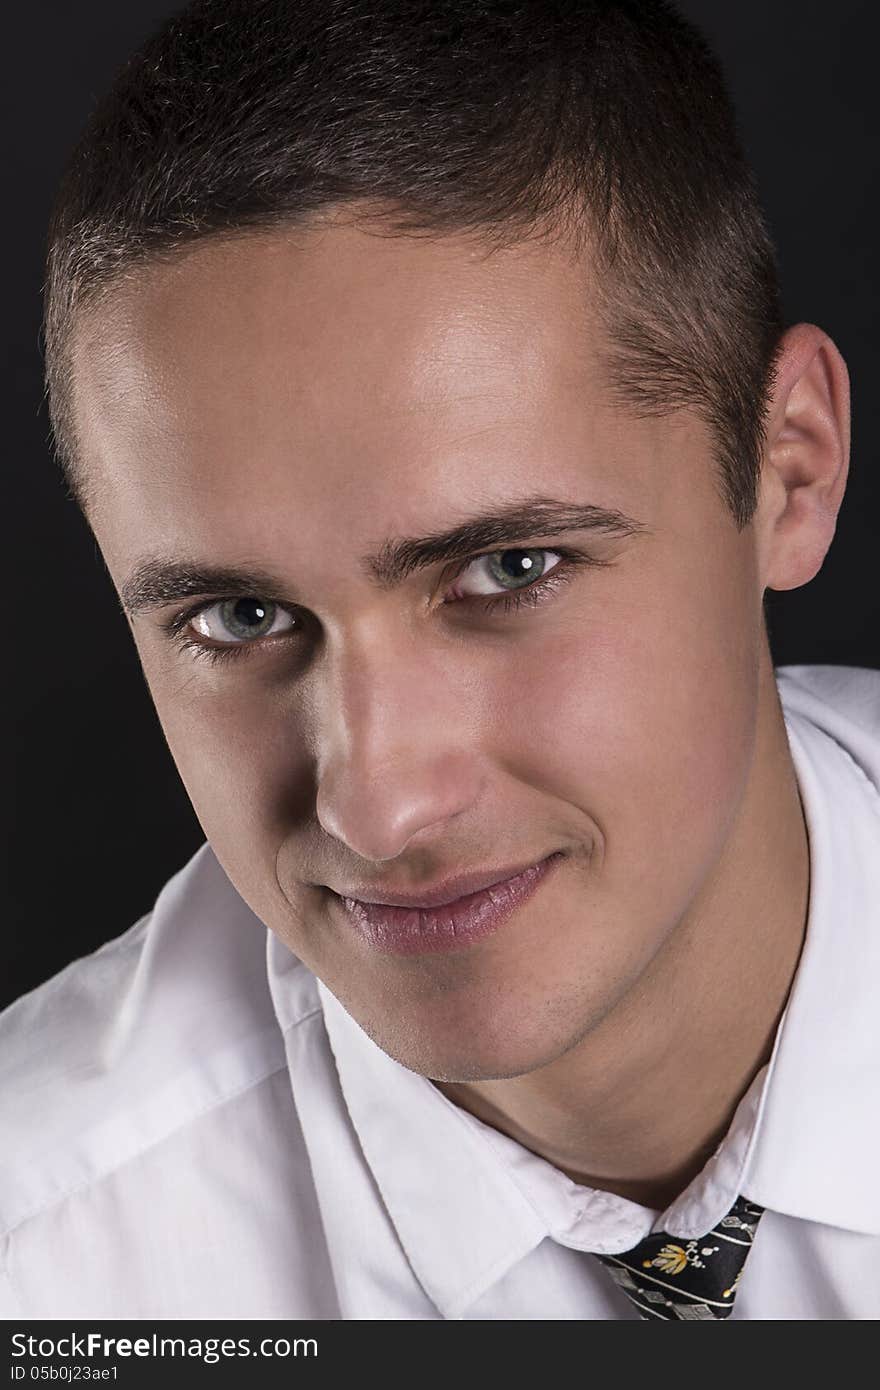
640	1104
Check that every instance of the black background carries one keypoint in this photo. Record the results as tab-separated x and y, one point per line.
97	817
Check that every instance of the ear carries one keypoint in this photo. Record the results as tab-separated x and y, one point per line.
806	458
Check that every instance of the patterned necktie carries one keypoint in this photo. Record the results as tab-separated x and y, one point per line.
696	1280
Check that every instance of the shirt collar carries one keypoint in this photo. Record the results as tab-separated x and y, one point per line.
814	1151
461	1220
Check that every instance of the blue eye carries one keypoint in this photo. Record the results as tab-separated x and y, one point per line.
238	620
512	569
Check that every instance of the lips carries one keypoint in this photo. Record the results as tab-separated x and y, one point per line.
450	891
444	926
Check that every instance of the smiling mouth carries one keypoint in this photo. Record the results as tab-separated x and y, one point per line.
447	926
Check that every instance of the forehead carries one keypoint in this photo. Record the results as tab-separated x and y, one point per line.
301	313
336	365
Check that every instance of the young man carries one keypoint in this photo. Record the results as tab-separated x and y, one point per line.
420	371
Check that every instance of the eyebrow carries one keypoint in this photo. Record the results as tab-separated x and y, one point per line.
155	581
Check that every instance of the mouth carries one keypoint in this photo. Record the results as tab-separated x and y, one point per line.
448	926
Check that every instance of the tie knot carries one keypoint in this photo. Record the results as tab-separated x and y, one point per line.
692	1280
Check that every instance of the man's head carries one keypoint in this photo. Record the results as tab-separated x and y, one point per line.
324	280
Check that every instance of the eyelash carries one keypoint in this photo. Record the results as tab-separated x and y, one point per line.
530	596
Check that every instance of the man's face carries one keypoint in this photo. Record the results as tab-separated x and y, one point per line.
290	403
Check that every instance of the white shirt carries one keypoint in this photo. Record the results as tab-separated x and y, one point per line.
193	1127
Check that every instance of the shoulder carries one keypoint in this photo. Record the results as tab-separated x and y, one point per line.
843	702
128	1044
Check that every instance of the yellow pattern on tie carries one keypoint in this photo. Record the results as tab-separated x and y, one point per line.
688	1280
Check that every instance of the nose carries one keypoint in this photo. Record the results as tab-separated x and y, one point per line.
397	745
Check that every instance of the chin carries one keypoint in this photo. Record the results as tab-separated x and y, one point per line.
494	1047
509	1013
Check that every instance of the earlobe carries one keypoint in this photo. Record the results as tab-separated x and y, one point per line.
806	458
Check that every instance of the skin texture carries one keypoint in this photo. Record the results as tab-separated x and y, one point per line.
291	401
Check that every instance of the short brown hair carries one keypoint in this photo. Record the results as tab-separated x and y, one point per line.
492	116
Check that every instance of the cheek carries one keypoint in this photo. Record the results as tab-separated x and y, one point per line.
642	717
245	770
